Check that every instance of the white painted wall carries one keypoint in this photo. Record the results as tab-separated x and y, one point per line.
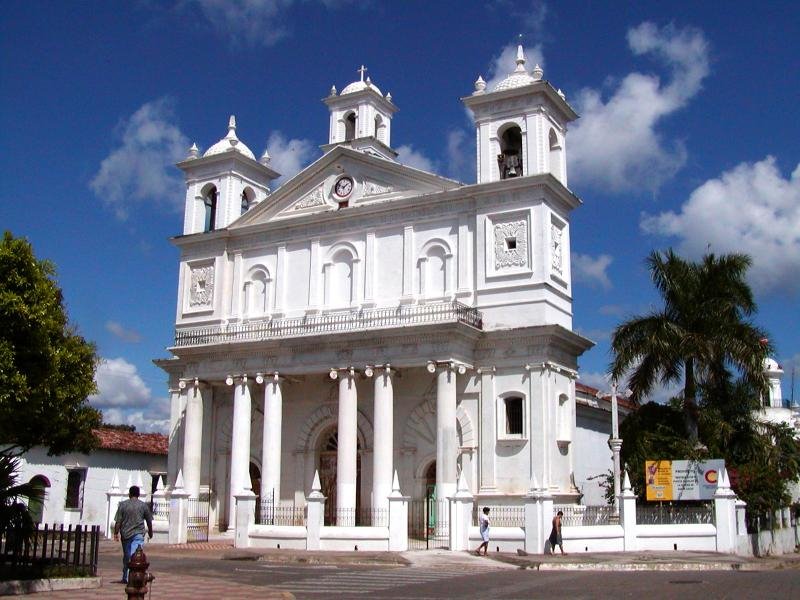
100	468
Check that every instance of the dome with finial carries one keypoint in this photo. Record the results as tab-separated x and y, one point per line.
230	143
360	84
520	77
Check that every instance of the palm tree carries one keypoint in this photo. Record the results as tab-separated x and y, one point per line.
700	334
14	512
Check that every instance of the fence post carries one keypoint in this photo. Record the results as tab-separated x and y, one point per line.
534	522
627	505
245	517
398	518
741	513
725	514
315	506
178	512
114	496
460	516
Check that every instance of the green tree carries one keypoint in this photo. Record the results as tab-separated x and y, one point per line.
702	331
46	368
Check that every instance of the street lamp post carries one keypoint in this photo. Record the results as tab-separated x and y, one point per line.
615	443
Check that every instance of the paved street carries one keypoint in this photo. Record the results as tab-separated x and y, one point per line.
204	575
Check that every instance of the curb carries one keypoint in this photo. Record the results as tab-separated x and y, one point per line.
32	586
637	567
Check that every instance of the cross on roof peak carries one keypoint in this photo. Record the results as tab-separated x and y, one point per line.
362	70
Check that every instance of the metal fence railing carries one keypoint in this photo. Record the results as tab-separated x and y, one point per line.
52	548
340	321
160	510
361	517
665	513
500	515
280	514
584	516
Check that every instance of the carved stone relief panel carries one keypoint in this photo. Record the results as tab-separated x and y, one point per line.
510	244
373	188
556	233
201	291
315	198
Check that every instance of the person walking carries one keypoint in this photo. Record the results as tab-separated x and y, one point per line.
483	522
129	522
555	533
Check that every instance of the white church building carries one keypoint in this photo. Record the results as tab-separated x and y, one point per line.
367	317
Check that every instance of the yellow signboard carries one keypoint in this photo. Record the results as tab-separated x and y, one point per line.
669	480
658	477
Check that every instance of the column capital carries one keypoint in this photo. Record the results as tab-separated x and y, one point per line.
269	377
237	379
346	371
196	382
452	365
386	369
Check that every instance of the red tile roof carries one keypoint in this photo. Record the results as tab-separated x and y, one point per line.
131	441
622	401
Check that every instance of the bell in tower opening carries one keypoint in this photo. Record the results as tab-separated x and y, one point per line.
510	159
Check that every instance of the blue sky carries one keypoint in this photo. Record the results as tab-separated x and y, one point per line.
688	138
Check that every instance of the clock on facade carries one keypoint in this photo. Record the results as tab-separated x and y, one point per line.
343	187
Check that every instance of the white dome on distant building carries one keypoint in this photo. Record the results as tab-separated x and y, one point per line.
520	77
230	143
770	364
361	84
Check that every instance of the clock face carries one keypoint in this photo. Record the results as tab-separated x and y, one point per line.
343	187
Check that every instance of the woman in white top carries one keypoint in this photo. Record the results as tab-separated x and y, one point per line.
483	522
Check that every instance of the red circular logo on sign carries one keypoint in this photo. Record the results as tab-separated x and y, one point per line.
711	476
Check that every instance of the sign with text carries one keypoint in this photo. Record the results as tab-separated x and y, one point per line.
682	479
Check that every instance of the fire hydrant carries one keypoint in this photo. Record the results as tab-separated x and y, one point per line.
138	577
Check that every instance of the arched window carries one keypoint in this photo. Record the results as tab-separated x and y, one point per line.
36	503
247	199
257	293
210	204
433	272
556	150
380	129
350	126
341	279
510	158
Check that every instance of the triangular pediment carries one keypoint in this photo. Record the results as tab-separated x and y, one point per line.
362	179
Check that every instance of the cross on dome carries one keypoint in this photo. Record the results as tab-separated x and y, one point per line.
362	70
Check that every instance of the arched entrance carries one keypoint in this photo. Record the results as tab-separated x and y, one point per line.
327	475
255	483
36	503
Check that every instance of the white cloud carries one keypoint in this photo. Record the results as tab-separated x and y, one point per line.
253	22
141	168
616	144
410	157
596	380
592	271
504	63
751	209
124	398
119	385
288	157
126	335
460	155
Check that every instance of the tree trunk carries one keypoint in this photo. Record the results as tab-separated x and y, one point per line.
690	401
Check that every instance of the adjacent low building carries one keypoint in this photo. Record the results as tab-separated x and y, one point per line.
76	484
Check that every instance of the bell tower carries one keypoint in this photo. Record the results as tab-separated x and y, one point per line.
361	118
521	126
224	183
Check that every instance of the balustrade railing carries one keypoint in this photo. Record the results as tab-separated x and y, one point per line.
362	517
160	509
357	320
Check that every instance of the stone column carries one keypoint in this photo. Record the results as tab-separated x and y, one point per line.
271	451
347	453
178	513
174	456
460	504
383	447
446	439
398	518
245	518
193	440
240	442
487	433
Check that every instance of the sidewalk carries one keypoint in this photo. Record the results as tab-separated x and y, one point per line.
648	561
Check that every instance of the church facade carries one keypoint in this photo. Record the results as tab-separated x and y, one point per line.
367	318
